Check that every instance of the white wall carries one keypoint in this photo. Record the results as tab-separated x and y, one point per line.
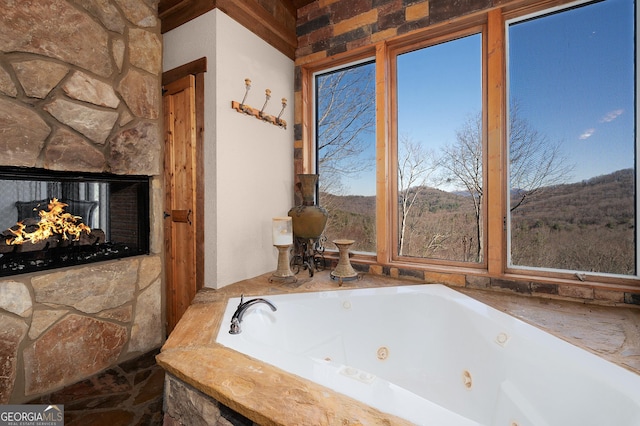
248	163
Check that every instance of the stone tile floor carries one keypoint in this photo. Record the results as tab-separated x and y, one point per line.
129	394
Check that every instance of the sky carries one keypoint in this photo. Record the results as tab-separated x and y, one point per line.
571	73
439	87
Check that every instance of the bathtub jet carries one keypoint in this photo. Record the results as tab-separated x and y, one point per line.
236	319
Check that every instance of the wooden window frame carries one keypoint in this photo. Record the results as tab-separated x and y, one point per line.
396	49
491	23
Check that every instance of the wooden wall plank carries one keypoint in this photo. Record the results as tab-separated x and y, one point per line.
255	18
278	27
173	13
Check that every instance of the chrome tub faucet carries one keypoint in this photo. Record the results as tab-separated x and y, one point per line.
236	319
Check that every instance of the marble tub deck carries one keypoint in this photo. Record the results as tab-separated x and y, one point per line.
270	396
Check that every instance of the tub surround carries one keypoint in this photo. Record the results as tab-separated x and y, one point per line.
259	391
192	355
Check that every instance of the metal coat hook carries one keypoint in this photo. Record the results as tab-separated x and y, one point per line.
247	83
279	121
246	109
262	114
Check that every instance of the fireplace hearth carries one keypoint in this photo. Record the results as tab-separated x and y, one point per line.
51	219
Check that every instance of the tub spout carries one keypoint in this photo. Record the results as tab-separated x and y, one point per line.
236	319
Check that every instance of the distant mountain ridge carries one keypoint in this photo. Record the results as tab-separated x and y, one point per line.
607	194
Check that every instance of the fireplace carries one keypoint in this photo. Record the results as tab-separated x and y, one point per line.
51	219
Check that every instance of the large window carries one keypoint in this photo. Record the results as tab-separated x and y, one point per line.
440	151
345	153
572	139
502	142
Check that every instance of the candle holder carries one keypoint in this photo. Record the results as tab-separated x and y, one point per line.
344	271
283	240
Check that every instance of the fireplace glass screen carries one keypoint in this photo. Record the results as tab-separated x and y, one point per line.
55	219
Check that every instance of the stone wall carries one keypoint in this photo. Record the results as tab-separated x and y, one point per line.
331	27
80	91
187	406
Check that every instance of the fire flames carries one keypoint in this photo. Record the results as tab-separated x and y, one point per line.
52	222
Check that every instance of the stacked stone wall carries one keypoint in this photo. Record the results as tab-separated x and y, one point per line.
187	406
332	27
80	90
80	85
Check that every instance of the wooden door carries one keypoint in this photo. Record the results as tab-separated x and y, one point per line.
181	214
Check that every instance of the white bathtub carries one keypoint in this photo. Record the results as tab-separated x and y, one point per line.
434	356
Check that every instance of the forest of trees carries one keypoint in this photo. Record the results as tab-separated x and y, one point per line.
585	226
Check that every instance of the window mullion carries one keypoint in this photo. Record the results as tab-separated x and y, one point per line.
384	208
496	143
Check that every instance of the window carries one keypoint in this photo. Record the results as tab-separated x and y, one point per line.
502	143
440	151
345	153
572	139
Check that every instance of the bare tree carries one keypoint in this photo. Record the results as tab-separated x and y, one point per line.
535	162
345	124
345	120
462	163
415	165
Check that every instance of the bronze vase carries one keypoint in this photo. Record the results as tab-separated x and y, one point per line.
308	219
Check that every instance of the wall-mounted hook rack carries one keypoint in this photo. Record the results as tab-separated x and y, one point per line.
259	114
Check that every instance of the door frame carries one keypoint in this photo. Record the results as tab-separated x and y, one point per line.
196	68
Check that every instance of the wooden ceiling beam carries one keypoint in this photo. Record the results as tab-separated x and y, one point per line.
258	20
173	13
278	31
